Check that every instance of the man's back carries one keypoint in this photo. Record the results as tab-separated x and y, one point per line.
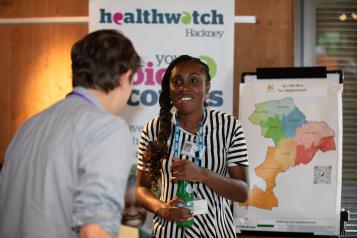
41	187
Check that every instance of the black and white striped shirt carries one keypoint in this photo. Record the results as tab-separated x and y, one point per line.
224	147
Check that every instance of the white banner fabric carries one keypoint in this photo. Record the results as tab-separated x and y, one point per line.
162	30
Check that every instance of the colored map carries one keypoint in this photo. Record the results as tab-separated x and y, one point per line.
296	141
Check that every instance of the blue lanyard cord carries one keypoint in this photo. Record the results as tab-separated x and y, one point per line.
200	140
176	140
84	97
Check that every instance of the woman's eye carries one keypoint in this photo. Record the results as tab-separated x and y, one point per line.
194	81
176	82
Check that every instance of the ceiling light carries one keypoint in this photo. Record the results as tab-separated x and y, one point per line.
343	17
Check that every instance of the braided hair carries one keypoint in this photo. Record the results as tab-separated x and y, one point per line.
158	150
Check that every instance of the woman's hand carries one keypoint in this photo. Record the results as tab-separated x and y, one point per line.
171	211
235	187
186	170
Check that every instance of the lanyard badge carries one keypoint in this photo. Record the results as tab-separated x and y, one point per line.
189	148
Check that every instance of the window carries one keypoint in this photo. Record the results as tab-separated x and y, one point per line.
336	47
326	34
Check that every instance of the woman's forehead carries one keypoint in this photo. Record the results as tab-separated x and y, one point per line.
187	67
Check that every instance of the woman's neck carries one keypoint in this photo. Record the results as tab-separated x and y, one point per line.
191	122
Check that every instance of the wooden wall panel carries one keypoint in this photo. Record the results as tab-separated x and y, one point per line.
5	90
44	8
268	43
35	66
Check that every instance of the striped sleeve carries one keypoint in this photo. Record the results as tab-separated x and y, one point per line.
148	134
237	150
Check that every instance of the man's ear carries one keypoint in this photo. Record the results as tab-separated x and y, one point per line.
125	78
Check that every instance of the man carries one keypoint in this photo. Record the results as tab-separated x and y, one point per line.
66	169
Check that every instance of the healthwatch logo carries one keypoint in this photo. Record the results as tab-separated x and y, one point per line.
154	16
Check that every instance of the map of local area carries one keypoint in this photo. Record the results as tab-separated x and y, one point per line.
296	141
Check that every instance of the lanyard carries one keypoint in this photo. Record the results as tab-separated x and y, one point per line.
200	140
84	97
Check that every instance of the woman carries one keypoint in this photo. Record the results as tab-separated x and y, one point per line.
211	145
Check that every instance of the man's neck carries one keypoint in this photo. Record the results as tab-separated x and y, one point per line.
104	98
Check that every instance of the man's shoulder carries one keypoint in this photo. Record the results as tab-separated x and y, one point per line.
86	117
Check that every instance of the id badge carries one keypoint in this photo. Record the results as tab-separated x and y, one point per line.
200	207
190	148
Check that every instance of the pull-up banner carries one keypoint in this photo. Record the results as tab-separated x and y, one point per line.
293	128
161	30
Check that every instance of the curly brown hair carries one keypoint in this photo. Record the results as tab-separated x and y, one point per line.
158	150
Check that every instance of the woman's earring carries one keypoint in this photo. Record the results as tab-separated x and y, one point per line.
206	101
